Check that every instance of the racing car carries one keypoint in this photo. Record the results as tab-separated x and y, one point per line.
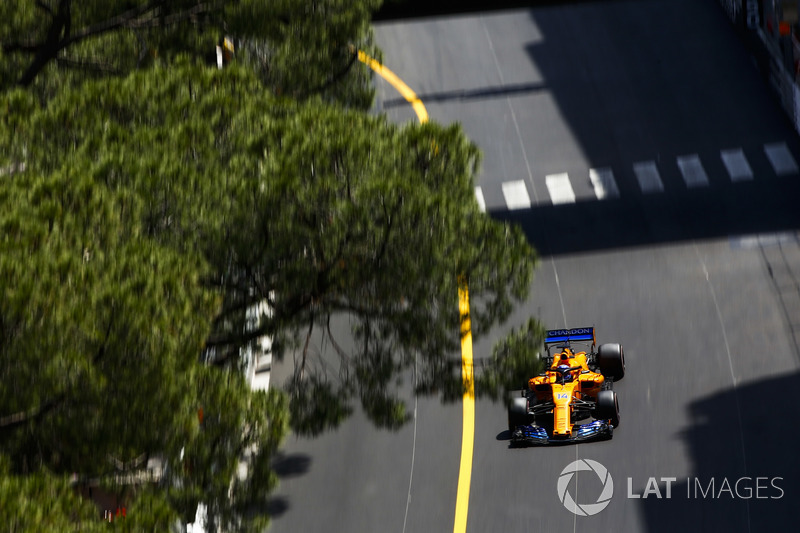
576	385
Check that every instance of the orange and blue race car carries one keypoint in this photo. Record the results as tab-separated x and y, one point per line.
577	385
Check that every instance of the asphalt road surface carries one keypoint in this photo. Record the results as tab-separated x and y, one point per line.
641	151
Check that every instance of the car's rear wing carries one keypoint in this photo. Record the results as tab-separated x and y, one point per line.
555	336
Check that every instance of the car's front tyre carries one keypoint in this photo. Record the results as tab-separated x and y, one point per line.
607	407
517	412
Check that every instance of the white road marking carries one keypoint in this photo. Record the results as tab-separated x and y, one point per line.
762	240
480	199
780	158
692	169
413	449
516	195
511	110
737	402
648	177
560	189
605	187
736	164
603	182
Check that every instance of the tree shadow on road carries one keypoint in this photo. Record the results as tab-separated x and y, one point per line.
405	9
641	94
736	209
277	506
291	465
285	466
743	435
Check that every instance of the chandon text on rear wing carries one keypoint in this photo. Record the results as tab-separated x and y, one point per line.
567	335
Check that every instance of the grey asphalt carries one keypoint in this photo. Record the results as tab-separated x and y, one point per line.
708	318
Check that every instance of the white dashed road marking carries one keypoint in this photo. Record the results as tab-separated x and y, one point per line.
780	158
648	177
736	164
764	239
603	182
480	199
516	195
692	170
560	189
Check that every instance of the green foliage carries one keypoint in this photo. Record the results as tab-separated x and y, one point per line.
316	405
149	512
150	202
90	329
237	425
300	47
309	207
100	330
331	33
43	502
515	359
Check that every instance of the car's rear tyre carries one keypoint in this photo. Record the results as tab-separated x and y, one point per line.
517	412
607	407
611	360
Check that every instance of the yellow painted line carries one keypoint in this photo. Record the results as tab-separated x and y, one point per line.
397	83
468	431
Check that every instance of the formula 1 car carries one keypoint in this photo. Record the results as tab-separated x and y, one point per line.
575	386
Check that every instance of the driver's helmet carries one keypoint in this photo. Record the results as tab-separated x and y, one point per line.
564	371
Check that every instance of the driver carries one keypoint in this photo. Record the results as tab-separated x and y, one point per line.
565	371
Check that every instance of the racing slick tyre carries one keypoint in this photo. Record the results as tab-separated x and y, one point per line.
607	407
517	412
611	360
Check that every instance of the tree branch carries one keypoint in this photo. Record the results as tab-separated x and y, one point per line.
87	65
338	76
30	48
176	18
387	230
342	354
13	421
121	20
236	306
305	348
227	339
41	5
144	17
287	312
60	35
47	51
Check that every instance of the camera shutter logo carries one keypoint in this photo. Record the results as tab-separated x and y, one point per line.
585	509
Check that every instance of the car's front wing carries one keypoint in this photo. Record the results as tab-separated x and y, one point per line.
533	434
